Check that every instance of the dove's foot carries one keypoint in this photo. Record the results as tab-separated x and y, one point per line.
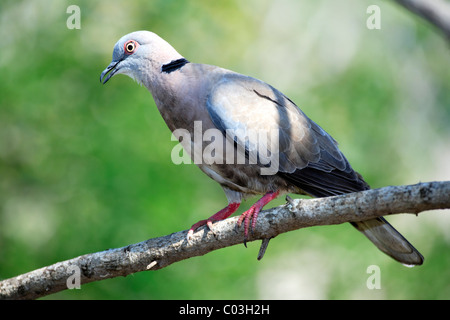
221	215
252	213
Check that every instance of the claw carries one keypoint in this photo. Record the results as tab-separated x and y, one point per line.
221	215
252	214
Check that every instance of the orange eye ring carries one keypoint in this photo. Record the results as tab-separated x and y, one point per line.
130	46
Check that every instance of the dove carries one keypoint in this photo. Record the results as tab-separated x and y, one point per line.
298	156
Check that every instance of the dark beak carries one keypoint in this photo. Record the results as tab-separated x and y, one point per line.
109	71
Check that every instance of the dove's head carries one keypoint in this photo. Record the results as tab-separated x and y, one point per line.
140	55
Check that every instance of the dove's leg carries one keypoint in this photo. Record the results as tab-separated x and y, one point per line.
221	215
252	213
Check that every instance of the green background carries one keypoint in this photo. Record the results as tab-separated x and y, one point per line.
86	167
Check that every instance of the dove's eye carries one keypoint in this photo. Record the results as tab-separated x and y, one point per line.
130	46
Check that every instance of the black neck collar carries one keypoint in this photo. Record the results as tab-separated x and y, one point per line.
174	65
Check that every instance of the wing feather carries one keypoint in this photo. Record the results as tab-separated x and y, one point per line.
308	156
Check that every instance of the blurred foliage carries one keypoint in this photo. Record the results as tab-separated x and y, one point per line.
86	167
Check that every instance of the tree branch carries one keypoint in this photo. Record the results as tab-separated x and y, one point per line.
161	252
437	12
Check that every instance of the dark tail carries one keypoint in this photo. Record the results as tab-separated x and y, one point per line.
390	241
322	184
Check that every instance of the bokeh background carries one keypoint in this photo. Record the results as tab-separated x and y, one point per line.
86	167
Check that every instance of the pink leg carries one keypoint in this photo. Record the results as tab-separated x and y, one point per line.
221	215
253	212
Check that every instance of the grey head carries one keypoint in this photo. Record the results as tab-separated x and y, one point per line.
140	55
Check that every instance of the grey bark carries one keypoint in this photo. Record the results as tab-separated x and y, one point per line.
437	12
161	252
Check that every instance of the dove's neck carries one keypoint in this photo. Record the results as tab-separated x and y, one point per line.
165	60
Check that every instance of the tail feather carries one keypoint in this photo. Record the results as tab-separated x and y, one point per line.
390	241
318	183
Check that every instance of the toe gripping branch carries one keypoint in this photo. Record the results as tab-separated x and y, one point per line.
221	215
252	213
